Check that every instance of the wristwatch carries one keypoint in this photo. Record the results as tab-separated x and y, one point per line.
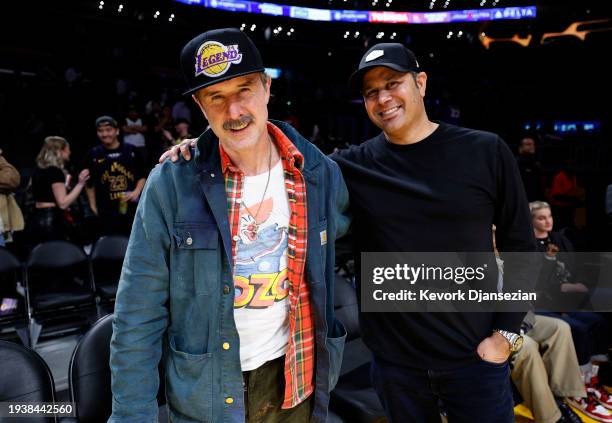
515	340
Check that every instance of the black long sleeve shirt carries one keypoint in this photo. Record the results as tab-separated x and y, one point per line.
440	194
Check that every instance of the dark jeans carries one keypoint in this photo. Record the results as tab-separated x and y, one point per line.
477	392
264	393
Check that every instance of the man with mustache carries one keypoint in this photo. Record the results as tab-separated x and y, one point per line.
230	264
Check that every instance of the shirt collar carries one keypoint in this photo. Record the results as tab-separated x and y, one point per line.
286	148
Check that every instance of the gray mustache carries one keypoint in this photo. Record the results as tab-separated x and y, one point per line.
237	123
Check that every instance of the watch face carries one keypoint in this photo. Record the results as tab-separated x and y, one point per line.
518	343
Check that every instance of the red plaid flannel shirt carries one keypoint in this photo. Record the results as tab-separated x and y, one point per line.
300	359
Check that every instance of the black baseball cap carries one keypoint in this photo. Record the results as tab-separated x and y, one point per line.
106	120
218	55
391	55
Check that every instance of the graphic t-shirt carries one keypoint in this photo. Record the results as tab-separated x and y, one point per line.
113	173
261	303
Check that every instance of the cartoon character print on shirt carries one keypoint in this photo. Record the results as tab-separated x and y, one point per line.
248	224
260	273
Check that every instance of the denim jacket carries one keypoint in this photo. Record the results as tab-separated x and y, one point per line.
176	292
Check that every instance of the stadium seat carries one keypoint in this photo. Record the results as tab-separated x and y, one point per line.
12	319
89	373
89	376
58	285
25	378
106	261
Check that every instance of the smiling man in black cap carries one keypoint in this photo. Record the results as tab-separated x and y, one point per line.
424	186
117	178
230	264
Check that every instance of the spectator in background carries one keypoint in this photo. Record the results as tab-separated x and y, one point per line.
181	129
11	218
565	195
50	184
117	178
559	284
134	130
531	169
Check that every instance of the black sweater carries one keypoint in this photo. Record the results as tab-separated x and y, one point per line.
440	194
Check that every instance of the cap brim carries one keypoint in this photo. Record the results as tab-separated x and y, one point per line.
221	79
357	77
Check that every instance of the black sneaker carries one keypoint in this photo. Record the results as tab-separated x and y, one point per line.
567	414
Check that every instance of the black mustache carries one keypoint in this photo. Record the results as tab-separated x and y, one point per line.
238	123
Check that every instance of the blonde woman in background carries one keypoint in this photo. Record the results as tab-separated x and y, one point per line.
50	184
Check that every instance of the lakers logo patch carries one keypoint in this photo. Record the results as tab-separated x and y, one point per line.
213	59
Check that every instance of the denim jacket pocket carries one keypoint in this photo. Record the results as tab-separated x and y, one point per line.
189	380
335	348
196	257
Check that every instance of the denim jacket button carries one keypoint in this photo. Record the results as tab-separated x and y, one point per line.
226	346
226	289
189	241
229	400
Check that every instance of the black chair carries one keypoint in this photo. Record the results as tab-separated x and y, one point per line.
106	261
15	319
58	286
89	373
353	398
25	377
89	376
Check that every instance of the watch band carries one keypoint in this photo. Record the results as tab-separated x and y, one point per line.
515	340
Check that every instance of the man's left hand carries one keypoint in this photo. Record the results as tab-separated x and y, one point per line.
495	349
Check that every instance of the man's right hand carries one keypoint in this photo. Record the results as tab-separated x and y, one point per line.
183	149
